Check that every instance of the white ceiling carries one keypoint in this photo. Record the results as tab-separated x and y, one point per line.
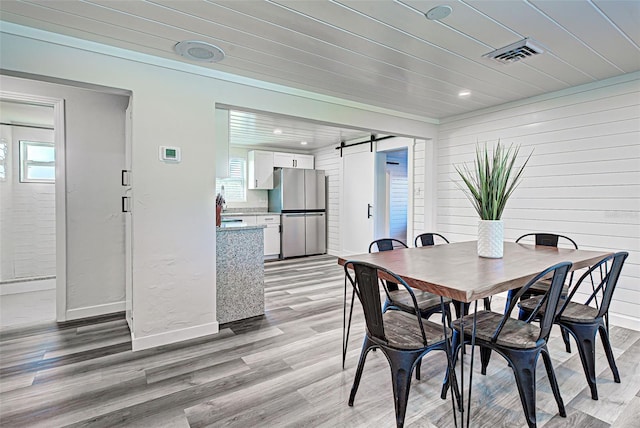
255	128
383	53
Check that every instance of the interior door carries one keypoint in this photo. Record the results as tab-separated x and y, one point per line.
357	223
126	205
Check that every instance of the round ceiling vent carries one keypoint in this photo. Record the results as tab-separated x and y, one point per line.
199	51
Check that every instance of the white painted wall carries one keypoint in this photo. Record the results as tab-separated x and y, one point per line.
173	204
27	216
95	228
583	179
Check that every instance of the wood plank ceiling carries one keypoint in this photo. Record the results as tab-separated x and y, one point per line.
382	53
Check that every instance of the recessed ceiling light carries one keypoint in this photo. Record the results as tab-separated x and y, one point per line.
304	143
464	93
277	131
199	51
438	12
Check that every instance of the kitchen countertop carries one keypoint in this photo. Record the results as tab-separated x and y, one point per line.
227	214
228	227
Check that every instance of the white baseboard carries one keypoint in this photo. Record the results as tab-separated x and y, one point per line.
92	311
173	336
624	321
16	287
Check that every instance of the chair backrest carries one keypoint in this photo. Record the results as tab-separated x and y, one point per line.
549	239
428	239
549	302
366	287
386	244
603	277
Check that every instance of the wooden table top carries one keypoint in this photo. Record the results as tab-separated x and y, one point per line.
456	271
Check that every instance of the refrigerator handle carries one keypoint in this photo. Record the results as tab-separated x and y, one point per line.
369	206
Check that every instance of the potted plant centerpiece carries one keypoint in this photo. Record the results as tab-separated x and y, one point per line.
488	185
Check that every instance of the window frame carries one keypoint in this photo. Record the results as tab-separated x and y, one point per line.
24	162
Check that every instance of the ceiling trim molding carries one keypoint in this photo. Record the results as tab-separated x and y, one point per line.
89	46
627	77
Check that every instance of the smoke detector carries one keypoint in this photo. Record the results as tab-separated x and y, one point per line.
522	49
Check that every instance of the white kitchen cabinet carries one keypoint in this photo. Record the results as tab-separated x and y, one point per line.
292	160
250	220
271	234
260	169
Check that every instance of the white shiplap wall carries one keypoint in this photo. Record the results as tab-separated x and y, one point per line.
328	159
419	187
583	179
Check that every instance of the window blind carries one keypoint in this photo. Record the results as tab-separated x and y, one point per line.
234	185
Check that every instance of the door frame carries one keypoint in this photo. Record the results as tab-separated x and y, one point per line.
399	143
60	190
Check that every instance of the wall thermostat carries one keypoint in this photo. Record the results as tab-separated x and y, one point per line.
170	154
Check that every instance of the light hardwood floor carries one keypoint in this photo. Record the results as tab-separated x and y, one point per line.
279	370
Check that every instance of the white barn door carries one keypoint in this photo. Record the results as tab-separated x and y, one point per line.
358	185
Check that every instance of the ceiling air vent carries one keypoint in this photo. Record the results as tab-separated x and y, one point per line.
522	49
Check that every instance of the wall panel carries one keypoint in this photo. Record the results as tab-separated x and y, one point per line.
583	179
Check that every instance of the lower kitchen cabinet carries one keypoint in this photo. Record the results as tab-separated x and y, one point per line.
271	231
271	234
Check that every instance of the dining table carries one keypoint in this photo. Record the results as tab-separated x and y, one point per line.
456	271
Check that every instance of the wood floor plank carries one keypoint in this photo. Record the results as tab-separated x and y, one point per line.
283	369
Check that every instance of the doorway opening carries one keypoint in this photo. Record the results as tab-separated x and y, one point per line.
393	196
27	213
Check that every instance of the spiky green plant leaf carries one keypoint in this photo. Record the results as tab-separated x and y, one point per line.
492	179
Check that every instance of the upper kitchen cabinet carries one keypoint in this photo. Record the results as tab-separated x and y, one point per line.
222	142
260	169
292	160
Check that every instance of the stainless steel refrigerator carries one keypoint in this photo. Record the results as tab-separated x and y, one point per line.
299	194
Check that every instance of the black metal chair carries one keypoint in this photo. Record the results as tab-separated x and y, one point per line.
584	320
520	342
549	240
403	337
429	239
428	303
396	299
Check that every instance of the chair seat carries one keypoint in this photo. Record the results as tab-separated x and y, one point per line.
515	334
403	331
541	287
425	300
574	312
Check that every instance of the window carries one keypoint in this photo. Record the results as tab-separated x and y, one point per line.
234	185
37	162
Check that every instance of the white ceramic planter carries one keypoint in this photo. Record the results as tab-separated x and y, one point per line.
491	238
